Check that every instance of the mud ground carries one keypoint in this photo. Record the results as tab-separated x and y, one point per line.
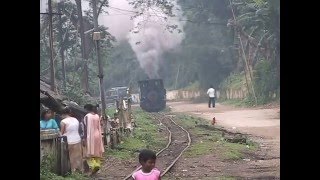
261	124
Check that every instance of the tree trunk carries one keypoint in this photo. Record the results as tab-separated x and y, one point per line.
175	84
257	49
52	64
61	41
84	79
248	70
44	25
241	63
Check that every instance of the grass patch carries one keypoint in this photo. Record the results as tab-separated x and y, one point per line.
52	176
265	83
110	111
234	102
166	110
226	178
120	154
234	81
205	178
145	136
247	102
228	151
46	171
192	87
210	140
232	151
200	148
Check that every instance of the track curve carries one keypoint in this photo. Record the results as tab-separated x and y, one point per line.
178	141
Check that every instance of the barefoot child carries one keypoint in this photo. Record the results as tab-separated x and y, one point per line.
148	171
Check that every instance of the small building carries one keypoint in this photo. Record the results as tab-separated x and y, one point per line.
51	144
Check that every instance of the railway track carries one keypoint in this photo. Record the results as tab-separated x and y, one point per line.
178	141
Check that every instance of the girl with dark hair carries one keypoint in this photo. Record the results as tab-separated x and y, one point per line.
147	159
47	121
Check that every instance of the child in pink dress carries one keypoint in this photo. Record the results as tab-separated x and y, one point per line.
148	171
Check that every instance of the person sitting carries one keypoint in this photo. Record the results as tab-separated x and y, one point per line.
47	121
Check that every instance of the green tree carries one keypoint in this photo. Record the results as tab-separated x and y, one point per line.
67	29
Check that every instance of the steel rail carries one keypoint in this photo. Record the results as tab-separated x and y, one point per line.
168	144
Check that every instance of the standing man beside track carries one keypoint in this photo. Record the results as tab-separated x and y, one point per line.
211	93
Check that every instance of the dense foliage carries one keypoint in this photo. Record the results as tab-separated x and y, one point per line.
208	54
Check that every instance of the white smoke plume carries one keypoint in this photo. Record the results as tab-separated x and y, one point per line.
150	39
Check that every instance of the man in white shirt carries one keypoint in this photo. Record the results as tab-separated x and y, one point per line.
211	93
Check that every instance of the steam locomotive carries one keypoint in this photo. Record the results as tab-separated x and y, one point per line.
152	95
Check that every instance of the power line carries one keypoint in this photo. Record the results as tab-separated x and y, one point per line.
52	13
121	12
127	10
188	20
115	14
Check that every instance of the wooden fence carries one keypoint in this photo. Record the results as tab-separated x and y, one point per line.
54	148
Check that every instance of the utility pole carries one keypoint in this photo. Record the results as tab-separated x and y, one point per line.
82	38
96	38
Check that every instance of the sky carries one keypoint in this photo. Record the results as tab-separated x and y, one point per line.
118	21
152	39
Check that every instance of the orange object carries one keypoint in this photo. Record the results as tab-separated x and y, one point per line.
213	120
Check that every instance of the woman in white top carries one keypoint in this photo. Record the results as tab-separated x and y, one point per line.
70	129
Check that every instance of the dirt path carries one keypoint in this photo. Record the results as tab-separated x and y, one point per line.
261	124
258	122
